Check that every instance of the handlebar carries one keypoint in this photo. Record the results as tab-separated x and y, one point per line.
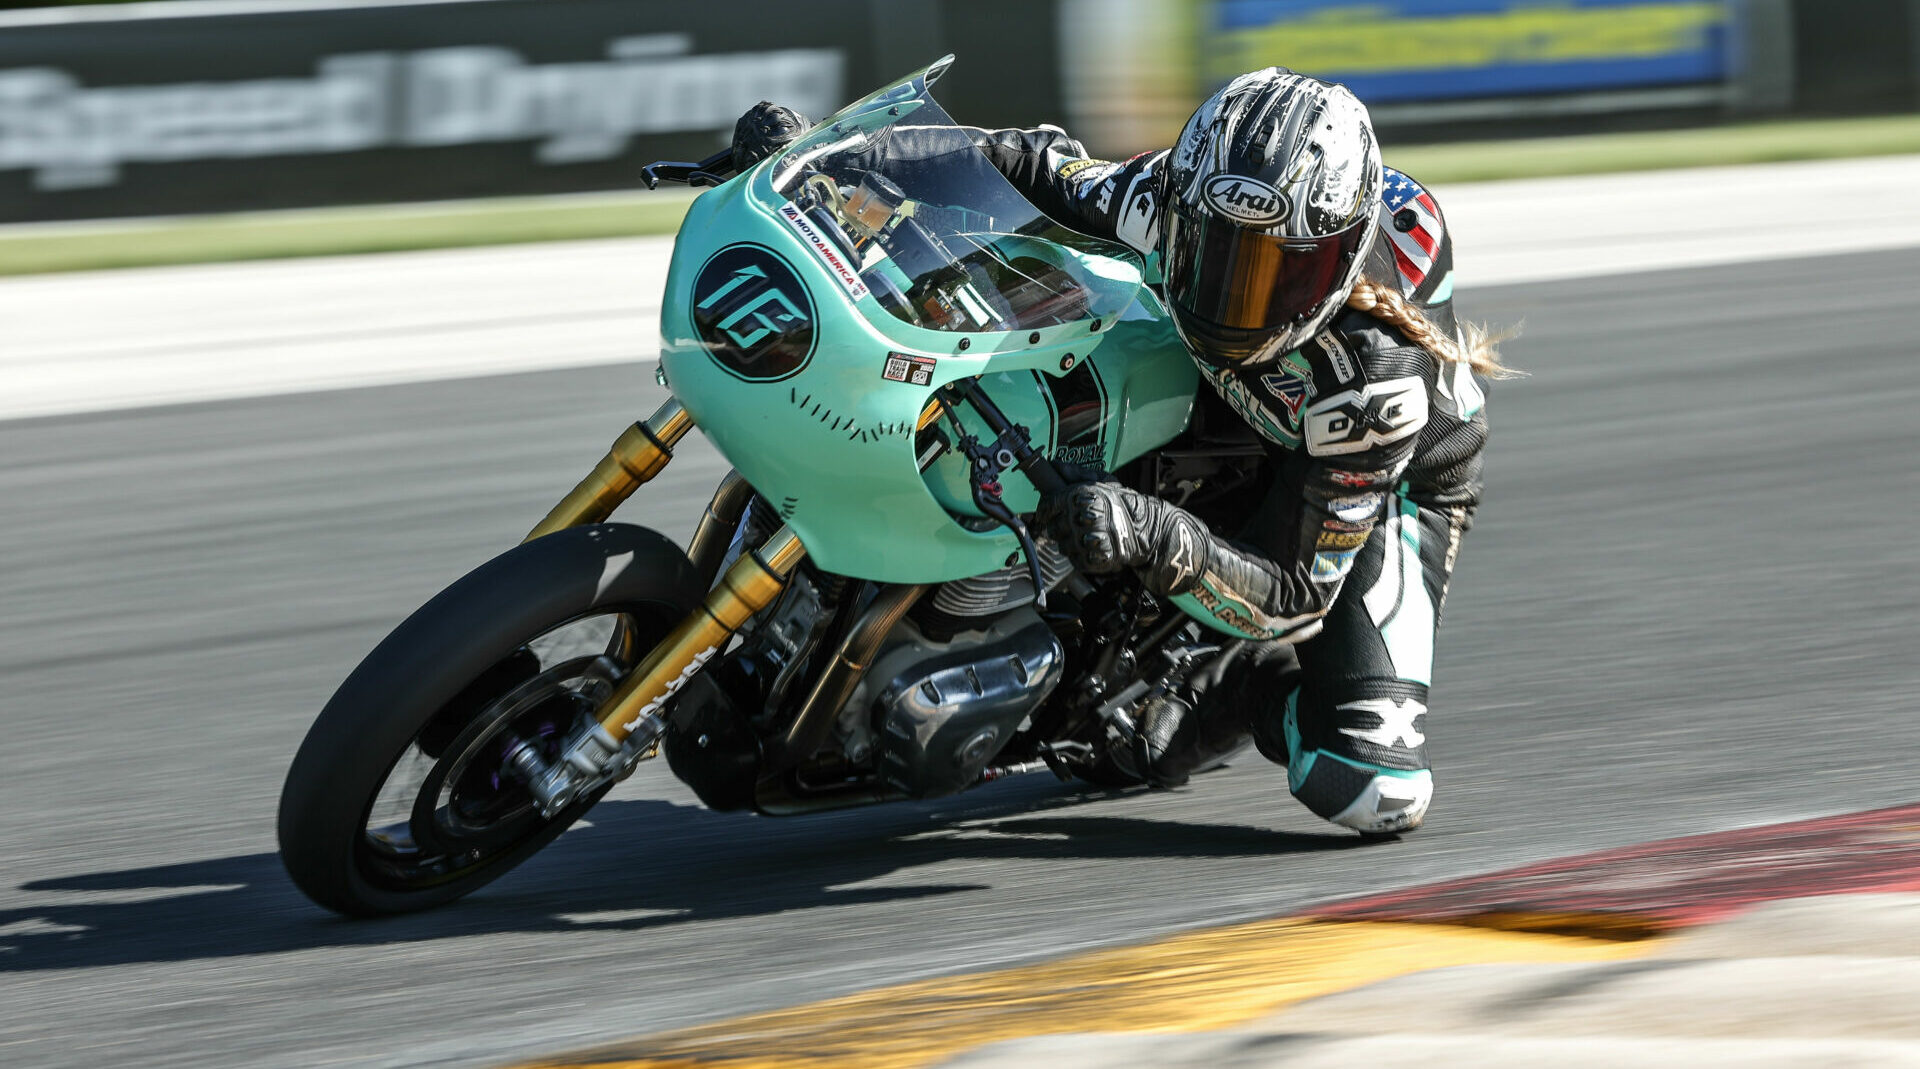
1032	463
711	171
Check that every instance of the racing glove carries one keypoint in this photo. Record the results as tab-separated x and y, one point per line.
1105	527
765	129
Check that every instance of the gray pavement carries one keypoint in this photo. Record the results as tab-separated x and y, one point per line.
1688	606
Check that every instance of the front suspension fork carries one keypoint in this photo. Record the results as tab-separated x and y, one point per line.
629	723
636	457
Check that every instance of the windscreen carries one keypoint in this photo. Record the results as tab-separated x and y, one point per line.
918	215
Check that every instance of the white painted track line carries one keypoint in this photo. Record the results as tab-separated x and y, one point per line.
1541	230
105	340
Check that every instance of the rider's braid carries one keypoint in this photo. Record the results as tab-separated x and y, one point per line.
1475	346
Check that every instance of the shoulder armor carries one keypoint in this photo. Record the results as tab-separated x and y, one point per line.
1416	239
1376	414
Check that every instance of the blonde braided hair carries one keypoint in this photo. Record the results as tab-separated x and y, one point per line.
1476	346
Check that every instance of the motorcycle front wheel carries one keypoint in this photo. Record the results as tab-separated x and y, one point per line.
400	798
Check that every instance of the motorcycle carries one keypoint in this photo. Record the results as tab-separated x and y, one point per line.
898	354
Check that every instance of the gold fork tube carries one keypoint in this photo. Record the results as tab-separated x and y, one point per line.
749	586
714	532
835	685
637	456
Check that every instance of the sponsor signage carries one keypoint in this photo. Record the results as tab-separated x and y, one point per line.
214	106
1431	50
276	105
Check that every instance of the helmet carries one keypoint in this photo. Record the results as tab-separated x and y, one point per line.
1272	199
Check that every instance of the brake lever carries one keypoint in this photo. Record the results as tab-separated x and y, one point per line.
986	498
984	480
711	171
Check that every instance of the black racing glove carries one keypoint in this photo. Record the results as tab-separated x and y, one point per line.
1104	527
765	129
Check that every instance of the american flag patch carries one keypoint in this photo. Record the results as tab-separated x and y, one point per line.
1414	224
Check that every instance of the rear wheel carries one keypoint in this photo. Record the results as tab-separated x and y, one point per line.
401	797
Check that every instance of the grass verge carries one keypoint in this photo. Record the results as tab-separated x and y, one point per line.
392	228
335	231
1771	142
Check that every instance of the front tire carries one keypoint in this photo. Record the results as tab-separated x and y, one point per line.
515	650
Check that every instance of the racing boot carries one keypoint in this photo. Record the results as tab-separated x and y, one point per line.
1177	741
1182	738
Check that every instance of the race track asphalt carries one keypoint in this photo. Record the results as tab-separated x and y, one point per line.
1689	605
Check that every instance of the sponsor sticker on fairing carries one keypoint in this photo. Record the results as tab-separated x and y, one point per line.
824	248
913	370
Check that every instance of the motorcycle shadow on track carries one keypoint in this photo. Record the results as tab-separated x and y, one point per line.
634	865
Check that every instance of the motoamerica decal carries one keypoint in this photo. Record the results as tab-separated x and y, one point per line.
753	313
826	250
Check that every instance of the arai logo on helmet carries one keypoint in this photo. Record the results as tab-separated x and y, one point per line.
1246	200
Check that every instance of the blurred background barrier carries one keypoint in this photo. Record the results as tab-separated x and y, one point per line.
160	108
1438	70
197	106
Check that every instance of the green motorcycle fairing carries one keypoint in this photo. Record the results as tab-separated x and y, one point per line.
815	304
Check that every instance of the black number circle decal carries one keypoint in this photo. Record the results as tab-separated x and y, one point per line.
753	314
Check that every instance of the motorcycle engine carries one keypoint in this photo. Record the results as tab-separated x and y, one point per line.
945	709
968	603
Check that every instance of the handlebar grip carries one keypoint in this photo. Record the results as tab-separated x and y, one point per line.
1041	473
711	171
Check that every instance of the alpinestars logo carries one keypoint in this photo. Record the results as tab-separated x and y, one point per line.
1183	563
1358	420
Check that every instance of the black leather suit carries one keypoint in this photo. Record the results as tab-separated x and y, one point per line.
1338	574
1375	447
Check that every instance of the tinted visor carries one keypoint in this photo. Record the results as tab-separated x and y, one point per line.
1227	281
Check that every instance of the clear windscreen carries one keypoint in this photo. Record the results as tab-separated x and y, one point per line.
934	231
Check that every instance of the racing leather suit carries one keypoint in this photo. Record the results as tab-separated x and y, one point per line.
1338	575
1375	448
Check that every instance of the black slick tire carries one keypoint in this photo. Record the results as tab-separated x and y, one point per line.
430	659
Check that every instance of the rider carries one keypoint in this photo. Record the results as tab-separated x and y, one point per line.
1313	287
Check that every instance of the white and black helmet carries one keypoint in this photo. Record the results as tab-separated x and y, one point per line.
1272	206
